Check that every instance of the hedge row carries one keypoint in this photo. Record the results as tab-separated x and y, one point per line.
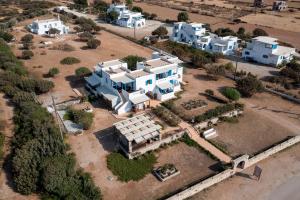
218	111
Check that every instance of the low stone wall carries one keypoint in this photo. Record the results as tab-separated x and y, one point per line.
215	120
288	97
230	172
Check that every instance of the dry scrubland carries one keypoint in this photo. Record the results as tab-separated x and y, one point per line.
112	47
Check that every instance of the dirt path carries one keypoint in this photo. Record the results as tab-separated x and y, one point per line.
203	143
6	192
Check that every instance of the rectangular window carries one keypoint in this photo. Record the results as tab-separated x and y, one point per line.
149	82
247	53
170	73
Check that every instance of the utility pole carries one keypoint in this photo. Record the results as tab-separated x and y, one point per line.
57	118
134	33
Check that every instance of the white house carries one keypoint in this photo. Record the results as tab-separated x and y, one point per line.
126	17
126	90
266	50
42	27
195	34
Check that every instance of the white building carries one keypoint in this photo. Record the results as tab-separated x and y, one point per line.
195	34
42	27
266	50
126	90
126	17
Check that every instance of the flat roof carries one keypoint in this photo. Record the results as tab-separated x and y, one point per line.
157	63
122	79
115	70
164	85
47	20
138	73
111	63
139	99
282	50
138	128
106	92
93	80
266	39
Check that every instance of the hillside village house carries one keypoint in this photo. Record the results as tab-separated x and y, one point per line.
195	34
126	90
42	27
266	50
126	17
140	134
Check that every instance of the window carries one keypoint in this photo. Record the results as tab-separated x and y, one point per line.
170	73
176	35
265	56
149	82
204	45
230	47
247	53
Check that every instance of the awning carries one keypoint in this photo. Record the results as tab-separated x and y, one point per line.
122	79
139	99
107	93
93	80
164	85
219	45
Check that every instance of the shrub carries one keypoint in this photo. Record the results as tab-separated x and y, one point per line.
132	60
53	31
200	60
183	17
231	93
249	85
81	117
137	9
53	71
6	36
27	54
215	71
27	38
85	36
160	31
69	61
222	32
112	16
93	43
1	145
170	118
64	47
82	71
259	32
209	92
218	111
126	169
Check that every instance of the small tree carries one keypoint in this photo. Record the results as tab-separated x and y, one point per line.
53	31
215	71
53	71
259	32
27	38
27	54
137	9
231	93
131	61
82	71
241	31
183	17
93	43
69	61
85	36
6	36
249	85
112	16
160	31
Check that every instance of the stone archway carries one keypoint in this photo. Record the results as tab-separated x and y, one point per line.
240	162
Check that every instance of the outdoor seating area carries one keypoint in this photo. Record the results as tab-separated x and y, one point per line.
166	172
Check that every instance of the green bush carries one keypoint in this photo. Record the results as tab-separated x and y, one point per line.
259	32
127	169
93	43
183	17
170	118
53	71
6	36
85	36
132	60
80	117
218	111
160	31
249	85
82	71
27	54
69	61
231	93
27	38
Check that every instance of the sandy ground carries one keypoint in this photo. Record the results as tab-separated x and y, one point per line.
192	164
112	47
290	36
289	23
278	170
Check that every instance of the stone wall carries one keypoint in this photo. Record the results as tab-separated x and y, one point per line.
230	172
